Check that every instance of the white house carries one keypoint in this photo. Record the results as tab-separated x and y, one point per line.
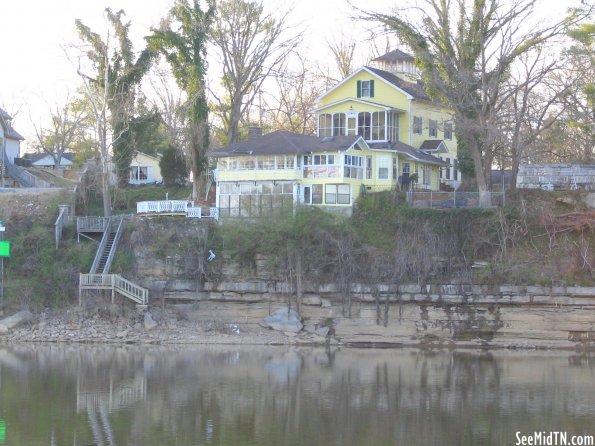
144	169
10	139
46	161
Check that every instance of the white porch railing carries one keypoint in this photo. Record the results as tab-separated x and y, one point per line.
91	224
176	207
116	283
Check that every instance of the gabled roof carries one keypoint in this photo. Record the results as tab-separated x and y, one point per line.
395	55
411	90
360	101
408	151
414	90
155	156
434	145
287	143
9	131
34	157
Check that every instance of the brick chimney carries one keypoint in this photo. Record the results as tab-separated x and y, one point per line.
254	132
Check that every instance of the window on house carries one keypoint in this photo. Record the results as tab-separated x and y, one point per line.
266	163
448	130
405	173
353	167
455	170
247	163
383	167
139	173
317	194
368	167
426	172
364	123
285	162
447	169
417	124
343	194
365	89
325	125
395	169
433	128
393	127
331	194
339	124
378	126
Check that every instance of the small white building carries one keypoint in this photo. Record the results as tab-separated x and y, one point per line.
10	139
46	161
144	169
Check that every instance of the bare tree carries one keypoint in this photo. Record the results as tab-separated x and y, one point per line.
465	51
169	101
343	53
252	46
532	107
65	128
290	104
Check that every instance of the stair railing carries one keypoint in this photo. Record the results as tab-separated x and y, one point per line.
112	253
106	234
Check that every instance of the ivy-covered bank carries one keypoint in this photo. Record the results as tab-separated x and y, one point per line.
530	242
386	241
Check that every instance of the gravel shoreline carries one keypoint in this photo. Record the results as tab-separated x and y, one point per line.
170	327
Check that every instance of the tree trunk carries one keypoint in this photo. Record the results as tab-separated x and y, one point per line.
485	197
514	173
234	121
299	288
105	193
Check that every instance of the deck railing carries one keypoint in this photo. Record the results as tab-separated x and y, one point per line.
106	234
176	207
116	283
62	220
92	224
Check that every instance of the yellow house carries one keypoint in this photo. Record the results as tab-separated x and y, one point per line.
282	169
388	108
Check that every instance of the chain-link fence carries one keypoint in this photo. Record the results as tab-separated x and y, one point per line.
451	200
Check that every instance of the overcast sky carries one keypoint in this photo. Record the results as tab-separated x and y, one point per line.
35	73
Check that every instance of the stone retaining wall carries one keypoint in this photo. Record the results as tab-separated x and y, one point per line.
440	315
438	294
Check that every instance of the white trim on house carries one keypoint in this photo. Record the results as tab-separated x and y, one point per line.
367	70
360	101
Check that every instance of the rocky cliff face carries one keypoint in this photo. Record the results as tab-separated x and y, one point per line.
172	262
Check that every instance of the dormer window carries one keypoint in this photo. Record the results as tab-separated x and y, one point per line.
365	89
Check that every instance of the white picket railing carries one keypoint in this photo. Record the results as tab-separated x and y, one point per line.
115	283
176	207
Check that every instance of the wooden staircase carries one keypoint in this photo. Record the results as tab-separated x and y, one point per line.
108	245
98	278
115	283
103	266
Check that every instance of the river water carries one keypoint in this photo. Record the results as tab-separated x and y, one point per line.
128	395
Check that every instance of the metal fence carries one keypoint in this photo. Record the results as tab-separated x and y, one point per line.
451	200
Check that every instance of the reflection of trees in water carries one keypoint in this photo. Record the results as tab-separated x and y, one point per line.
159	396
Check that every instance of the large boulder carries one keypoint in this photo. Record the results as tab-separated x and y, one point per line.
149	322
284	320
16	319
